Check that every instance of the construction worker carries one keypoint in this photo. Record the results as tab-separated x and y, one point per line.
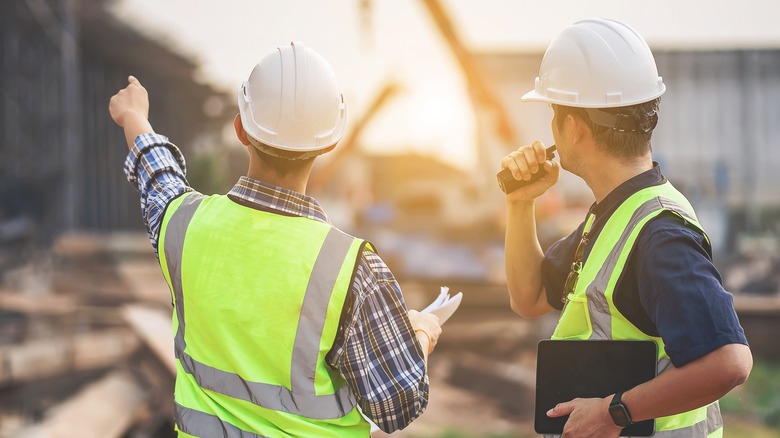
283	324
639	267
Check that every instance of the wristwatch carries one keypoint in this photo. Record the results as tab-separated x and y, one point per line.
619	412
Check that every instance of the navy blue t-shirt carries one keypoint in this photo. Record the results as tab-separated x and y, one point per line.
669	287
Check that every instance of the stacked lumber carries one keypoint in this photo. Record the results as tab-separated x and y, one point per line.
87	352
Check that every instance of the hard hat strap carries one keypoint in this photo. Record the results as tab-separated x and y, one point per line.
622	122
618	122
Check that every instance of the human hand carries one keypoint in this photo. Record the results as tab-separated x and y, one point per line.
588	417
130	102
427	323
525	162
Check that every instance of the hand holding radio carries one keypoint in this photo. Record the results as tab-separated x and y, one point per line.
507	182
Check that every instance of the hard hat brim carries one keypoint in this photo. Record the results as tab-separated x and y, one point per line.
534	96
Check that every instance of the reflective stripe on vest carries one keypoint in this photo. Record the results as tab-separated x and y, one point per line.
302	398
199	423
601	318
598	279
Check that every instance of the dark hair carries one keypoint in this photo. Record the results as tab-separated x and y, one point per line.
619	143
282	165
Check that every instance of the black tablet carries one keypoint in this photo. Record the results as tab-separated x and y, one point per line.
566	370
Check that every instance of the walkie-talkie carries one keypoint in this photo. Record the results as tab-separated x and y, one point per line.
508	183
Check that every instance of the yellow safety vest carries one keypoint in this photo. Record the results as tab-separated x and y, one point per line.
257	301
590	312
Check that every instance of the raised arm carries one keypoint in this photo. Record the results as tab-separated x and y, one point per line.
523	253
154	165
130	109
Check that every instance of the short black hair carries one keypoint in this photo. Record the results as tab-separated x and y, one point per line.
284	162
281	165
619	143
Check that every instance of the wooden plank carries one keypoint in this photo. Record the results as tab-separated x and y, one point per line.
32	304
518	374
757	304
155	375
145	280
104	409
153	325
86	244
50	357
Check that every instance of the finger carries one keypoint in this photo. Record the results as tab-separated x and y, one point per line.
132	79
508	162
530	158
522	172
560	410
541	153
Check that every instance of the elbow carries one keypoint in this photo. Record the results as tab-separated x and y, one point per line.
744	366
412	401
388	427
524	310
740	364
528	302
518	309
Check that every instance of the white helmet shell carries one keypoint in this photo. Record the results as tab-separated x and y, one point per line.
597	63
292	102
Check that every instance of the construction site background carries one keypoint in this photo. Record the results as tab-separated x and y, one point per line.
85	313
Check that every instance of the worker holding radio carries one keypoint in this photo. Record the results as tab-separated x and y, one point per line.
639	266
283	324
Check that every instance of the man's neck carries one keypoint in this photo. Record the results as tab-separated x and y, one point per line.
609	173
292	181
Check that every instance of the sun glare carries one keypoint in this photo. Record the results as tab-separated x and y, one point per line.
428	120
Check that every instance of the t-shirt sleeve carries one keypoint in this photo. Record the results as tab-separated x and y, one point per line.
682	292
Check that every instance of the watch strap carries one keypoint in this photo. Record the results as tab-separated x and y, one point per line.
617	403
616	399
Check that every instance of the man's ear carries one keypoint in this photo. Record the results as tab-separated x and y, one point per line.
578	129
240	132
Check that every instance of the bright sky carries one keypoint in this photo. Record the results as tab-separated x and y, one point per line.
396	40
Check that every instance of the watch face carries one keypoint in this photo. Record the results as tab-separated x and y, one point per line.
619	415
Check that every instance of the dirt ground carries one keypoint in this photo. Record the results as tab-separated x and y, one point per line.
455	412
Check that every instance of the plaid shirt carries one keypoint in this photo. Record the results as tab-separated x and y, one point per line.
375	349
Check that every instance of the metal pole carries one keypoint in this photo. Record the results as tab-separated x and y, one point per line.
71	112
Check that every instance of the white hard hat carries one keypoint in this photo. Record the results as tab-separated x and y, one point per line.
597	63
292	102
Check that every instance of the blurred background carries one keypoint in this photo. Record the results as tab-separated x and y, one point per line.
433	89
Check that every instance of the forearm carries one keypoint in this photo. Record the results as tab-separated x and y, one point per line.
135	124
157	169
696	384
523	258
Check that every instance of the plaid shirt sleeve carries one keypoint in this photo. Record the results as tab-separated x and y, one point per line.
156	167
377	351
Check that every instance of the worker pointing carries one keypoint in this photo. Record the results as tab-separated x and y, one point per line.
283	324
639	266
